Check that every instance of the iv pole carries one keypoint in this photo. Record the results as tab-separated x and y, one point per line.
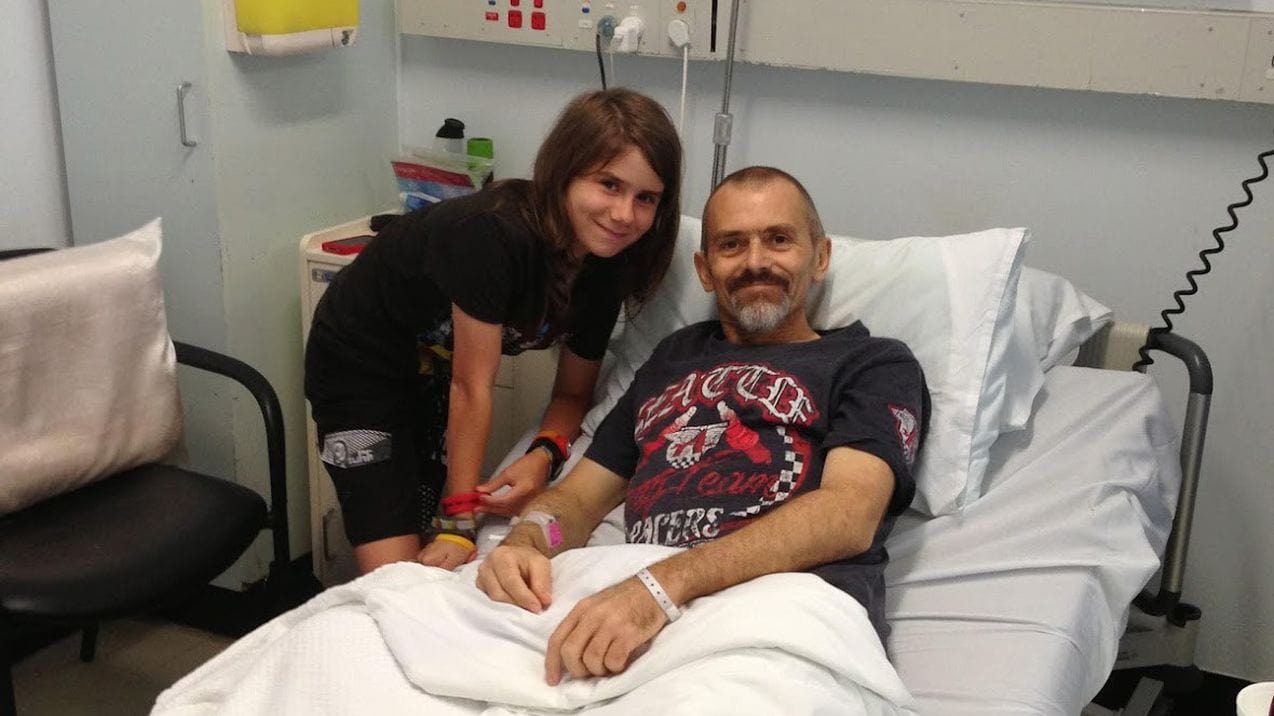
724	120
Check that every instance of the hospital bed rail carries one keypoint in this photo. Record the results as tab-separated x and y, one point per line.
1162	629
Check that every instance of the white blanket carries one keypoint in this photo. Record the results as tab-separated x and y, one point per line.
413	639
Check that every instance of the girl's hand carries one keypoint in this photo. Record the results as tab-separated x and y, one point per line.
448	555
526	478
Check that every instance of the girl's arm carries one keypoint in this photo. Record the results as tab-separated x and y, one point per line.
474	362
528	476
572	394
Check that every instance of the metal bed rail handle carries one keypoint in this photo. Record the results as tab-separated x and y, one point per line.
182	90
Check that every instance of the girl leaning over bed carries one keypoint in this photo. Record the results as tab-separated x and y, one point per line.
405	344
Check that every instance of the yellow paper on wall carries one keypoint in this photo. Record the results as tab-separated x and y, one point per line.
282	17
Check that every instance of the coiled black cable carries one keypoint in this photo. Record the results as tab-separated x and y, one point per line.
600	65
1167	314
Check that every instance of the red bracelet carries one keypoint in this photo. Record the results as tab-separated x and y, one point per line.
464	502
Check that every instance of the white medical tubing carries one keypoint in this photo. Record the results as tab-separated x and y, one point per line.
685	65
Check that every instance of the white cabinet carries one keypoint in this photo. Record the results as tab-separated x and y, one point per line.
333	558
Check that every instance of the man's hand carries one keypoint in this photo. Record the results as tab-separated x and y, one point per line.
517	574
448	555
527	477
604	632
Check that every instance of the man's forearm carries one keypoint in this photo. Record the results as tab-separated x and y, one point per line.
834	522
579	502
570	518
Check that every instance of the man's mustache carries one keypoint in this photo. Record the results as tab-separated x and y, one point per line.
752	278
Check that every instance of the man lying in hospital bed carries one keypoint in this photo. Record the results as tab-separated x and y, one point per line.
1010	604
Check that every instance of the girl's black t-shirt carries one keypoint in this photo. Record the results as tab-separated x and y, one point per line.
393	302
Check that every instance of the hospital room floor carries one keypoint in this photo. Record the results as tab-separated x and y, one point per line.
136	659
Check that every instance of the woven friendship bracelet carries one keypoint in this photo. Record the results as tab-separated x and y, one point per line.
661	597
447	524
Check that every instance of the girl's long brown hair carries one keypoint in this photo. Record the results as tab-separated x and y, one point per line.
592	130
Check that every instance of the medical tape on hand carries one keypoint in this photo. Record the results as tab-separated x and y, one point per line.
661	597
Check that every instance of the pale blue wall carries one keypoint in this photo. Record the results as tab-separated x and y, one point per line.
1119	190
301	143
33	209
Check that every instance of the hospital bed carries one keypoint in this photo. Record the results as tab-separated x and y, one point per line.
1013	604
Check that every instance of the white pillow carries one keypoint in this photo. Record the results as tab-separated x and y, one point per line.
87	371
949	298
1061	316
1051	319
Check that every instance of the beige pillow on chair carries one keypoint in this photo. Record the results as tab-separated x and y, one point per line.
87	371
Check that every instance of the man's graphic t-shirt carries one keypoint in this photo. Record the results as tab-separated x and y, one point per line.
714	435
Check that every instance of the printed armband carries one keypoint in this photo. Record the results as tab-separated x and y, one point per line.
458	531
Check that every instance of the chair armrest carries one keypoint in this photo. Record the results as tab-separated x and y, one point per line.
268	401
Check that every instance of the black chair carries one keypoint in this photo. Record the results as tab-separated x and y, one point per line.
136	540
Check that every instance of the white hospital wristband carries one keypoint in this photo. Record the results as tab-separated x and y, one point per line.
661	597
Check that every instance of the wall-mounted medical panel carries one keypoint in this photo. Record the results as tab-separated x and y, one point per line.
1208	54
1178	53
570	24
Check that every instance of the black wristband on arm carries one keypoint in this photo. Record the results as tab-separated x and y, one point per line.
556	458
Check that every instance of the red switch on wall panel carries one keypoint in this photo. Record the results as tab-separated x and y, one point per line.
493	17
537	21
515	18
539	3
515	3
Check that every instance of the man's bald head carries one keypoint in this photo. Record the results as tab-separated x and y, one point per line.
756	177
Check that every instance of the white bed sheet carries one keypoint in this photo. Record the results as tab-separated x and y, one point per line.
1015	605
409	639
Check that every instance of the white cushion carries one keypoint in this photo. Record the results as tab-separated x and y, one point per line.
1051	320
949	298
1061	316
87	370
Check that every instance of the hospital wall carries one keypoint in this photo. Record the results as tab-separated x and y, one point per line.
33	208
1120	192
